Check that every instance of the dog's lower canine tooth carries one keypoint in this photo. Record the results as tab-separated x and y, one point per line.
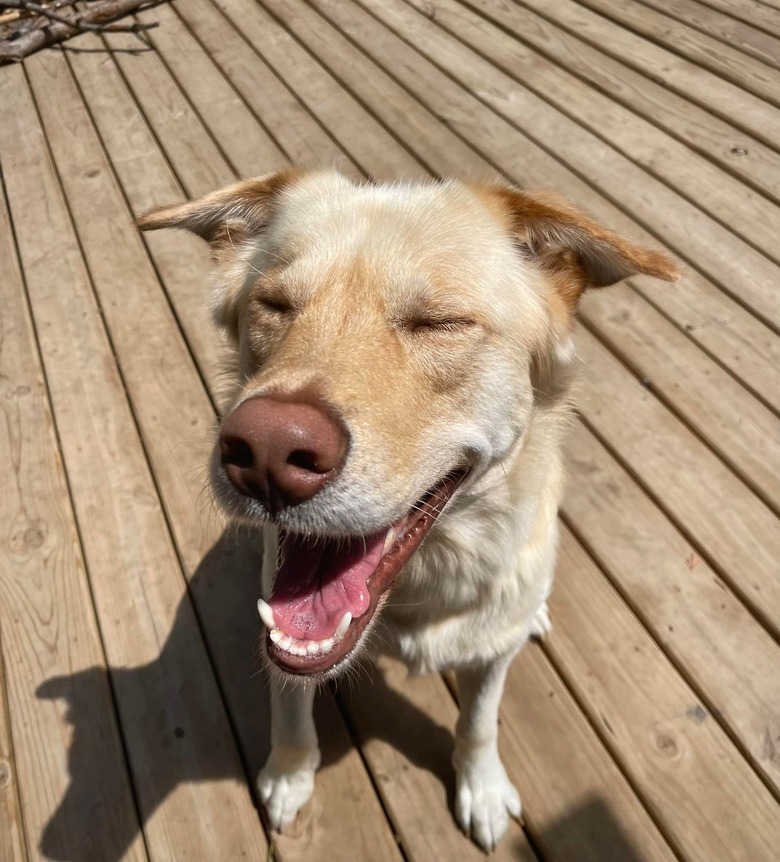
343	625
389	539
266	614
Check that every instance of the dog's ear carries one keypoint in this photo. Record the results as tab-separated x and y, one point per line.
568	243
227	217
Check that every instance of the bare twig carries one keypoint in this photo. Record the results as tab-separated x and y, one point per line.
94	19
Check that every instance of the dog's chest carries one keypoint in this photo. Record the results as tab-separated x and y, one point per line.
469	594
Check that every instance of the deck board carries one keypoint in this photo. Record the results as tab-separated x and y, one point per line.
12	838
678	759
712	54
699	622
656	60
552	30
734	33
50	637
646	727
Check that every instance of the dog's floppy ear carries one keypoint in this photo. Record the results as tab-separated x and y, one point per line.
228	216
567	242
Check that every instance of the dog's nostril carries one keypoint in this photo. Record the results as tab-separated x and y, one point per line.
236	452
305	460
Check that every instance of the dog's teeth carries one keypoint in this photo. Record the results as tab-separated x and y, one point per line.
326	645
313	647
342	627
389	540
298	649
286	642
276	635
266	614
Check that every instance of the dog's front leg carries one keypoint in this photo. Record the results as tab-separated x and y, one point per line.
484	796
287	780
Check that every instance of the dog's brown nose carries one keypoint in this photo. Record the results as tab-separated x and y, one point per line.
280	452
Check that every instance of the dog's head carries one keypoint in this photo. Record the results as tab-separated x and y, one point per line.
391	342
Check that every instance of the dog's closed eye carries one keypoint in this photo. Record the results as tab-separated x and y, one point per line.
274	304
435	325
277	306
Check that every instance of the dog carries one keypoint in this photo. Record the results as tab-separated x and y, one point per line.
402	377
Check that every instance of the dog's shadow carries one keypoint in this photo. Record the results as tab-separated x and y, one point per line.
162	704
89	823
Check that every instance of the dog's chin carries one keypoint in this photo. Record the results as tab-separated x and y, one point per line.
328	591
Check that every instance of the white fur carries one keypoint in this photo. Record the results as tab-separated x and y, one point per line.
476	589
354	269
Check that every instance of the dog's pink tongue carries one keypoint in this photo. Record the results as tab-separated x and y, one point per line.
320	580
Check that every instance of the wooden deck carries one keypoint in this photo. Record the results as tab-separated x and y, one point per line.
132	716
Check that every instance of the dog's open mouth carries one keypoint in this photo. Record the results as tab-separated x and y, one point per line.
327	590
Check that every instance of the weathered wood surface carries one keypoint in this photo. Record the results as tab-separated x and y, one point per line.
647	727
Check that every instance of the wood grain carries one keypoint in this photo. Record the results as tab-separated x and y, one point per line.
747	73
677	595
577	803
303	140
12	838
370	146
705	797
734	33
737	530
404	727
49	633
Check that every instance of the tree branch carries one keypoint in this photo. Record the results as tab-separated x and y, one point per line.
95	19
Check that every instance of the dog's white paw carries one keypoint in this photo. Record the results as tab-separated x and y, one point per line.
284	790
542	624
485	798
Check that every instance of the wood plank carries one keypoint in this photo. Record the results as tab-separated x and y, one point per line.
405	730
355	130
12	838
742	431
688	609
248	147
660	64
344	806
303	141
759	14
546	27
226	606
726	29
704	497
747	73
174	723
171	117
728	261
748	348
49	633
181	260
706	798
577	803
437	148
734	205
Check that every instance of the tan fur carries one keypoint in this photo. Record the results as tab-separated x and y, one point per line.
436	321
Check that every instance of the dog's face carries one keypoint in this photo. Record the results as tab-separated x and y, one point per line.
391	342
